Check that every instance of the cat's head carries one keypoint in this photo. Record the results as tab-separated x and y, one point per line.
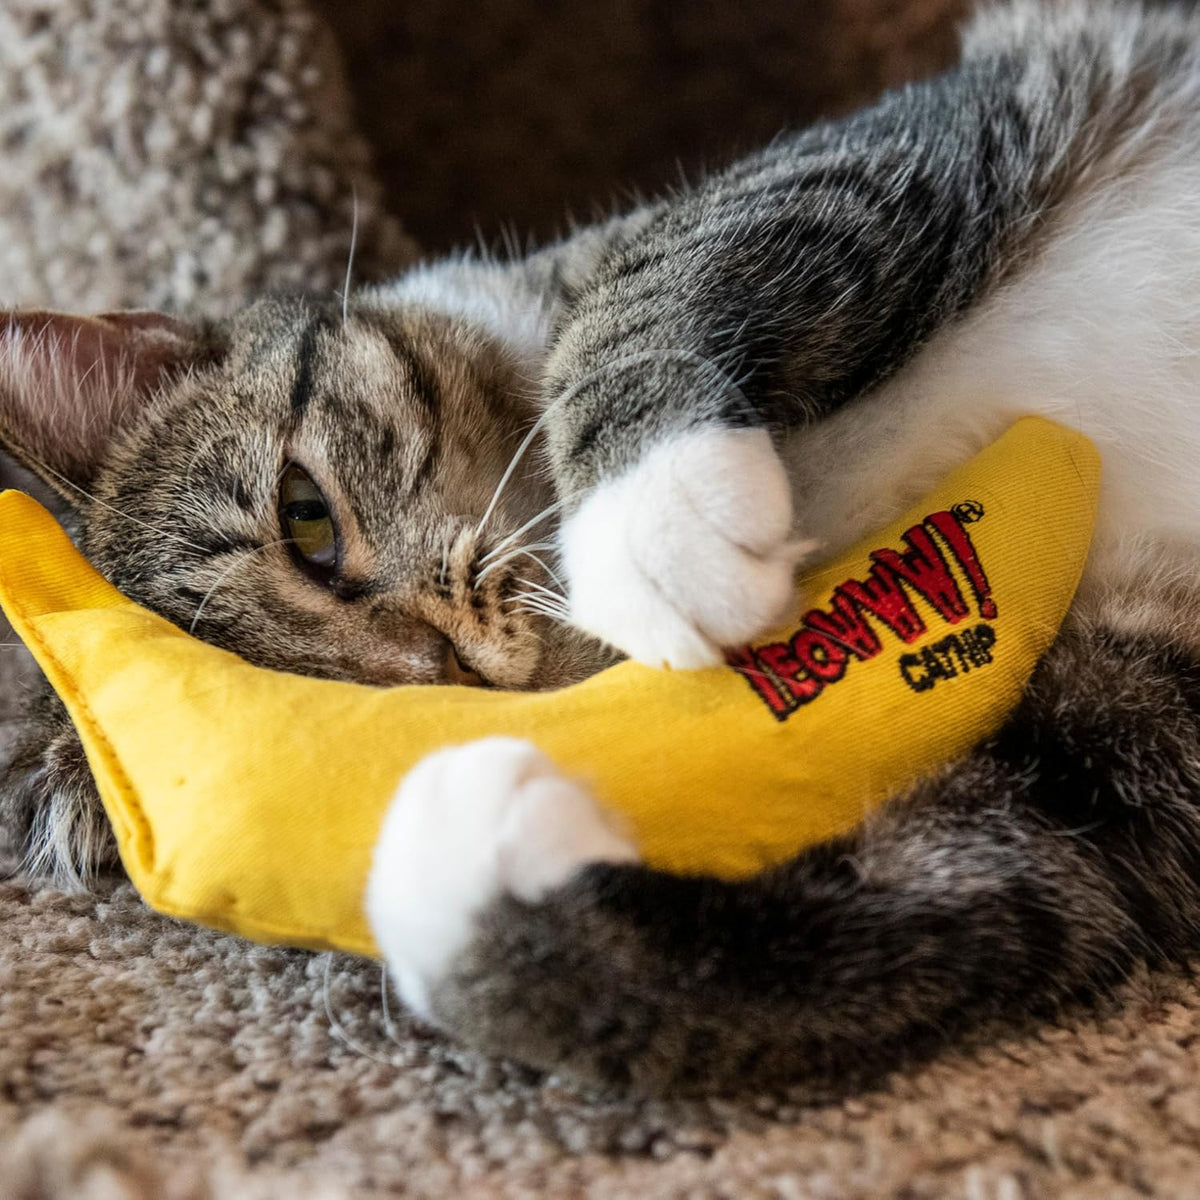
318	494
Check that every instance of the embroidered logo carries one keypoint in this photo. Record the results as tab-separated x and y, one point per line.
788	675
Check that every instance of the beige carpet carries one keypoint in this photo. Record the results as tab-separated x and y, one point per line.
181	153
188	1064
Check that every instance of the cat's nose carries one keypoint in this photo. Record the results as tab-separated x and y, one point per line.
405	650
438	663
457	670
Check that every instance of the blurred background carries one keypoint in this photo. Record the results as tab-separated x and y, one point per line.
486	112
183	154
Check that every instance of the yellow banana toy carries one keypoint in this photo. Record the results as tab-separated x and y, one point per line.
908	649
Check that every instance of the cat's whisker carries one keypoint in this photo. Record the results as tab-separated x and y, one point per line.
508	539
539	612
526	442
627	360
541	562
389	1024
500	562
350	256
532	599
337	1030
530	603
541	588
174	537
246	556
534	602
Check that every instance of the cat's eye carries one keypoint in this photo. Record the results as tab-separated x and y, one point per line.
307	522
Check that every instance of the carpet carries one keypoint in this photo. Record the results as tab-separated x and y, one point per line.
183	154
143	1058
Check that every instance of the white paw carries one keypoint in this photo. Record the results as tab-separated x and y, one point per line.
468	825
687	552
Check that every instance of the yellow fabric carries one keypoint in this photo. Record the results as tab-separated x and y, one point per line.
250	800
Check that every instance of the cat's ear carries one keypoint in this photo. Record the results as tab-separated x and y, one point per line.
68	384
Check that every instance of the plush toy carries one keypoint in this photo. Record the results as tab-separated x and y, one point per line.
906	651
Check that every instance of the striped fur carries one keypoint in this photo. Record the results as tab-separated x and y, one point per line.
882	295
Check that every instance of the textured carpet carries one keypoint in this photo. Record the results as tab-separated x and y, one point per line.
163	152
182	1063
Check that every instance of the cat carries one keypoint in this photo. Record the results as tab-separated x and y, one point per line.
509	474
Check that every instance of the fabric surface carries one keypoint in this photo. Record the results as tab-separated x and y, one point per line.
225	813
142	1059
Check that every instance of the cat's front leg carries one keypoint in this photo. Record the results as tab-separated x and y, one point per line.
471	826
52	821
663	398
688	550
1039	869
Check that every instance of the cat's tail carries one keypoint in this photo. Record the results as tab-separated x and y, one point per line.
1037	871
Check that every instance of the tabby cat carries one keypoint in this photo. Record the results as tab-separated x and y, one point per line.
650	418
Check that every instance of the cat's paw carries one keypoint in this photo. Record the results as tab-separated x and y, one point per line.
688	552
467	826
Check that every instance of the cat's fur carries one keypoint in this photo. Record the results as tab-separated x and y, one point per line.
844	317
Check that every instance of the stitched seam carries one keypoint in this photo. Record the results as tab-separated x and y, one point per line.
230	920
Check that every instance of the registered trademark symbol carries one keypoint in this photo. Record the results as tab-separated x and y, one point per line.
968	512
